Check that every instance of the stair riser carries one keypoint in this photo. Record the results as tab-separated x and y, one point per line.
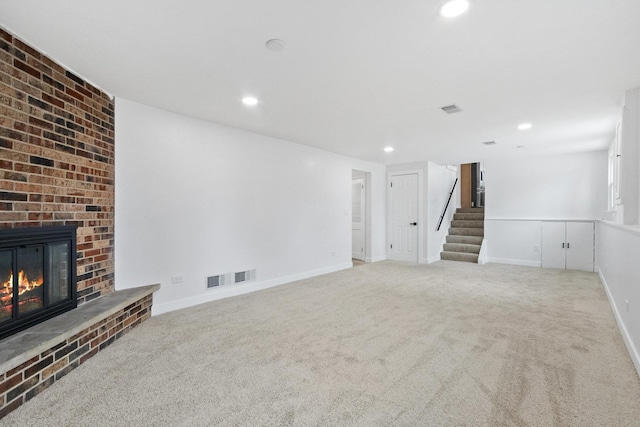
467	224
472	240
470	210
467	231
468	217
461	247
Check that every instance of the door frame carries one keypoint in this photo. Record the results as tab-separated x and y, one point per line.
420	226
363	210
368	185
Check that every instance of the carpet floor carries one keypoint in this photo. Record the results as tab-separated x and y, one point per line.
384	344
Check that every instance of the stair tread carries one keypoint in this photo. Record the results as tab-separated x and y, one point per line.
463	223
474	240
468	217
465	231
458	256
468	248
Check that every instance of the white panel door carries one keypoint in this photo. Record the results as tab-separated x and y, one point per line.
553	244
404	222
358	219
580	246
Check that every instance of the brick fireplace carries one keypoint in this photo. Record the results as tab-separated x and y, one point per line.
57	157
57	170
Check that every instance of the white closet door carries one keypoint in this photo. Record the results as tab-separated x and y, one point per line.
580	246
553	243
404	205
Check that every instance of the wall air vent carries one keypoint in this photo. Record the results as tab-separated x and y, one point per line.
450	109
489	143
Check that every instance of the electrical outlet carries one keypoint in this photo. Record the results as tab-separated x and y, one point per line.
177	279
627	304
536	248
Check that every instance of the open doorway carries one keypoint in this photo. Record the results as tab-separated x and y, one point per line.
472	185
358	217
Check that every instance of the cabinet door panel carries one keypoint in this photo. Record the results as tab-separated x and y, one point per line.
553	238
580	251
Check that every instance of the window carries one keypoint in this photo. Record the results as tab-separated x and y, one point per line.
613	184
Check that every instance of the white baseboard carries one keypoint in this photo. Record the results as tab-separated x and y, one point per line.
376	258
514	262
433	259
631	348
234	290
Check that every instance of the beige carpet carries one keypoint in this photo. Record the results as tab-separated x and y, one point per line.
384	344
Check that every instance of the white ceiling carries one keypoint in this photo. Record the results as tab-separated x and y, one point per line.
357	75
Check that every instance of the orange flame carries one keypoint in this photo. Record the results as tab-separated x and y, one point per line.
24	285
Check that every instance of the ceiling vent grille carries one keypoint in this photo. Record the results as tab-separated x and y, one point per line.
450	109
489	143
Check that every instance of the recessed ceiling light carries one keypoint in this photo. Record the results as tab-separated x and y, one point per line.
388	149
524	126
454	8
249	100
275	45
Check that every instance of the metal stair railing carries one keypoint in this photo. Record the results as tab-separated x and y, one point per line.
444	211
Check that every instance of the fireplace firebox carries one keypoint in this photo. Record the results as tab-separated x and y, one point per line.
37	275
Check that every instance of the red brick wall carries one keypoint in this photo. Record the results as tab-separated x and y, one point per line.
57	157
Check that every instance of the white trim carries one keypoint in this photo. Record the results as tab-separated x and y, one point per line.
632	229
633	352
234	290
433	259
483	256
420	242
376	258
543	219
522	262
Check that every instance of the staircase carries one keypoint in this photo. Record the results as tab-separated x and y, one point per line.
465	235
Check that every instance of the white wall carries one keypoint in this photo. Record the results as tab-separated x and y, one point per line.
617	245
194	199
521	193
439	183
434	189
617	249
572	186
630	158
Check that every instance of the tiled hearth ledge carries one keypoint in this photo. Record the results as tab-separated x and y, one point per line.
35	358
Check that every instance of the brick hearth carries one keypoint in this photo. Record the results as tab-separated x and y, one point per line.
32	360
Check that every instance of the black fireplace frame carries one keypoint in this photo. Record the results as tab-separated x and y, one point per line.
24	237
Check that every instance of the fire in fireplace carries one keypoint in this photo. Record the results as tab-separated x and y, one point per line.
37	275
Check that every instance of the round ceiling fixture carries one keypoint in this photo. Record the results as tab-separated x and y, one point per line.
275	45
454	8
249	100
524	126
388	149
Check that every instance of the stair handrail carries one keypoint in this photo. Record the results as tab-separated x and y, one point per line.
444	211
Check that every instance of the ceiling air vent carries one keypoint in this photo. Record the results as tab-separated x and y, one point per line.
489	143
450	109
